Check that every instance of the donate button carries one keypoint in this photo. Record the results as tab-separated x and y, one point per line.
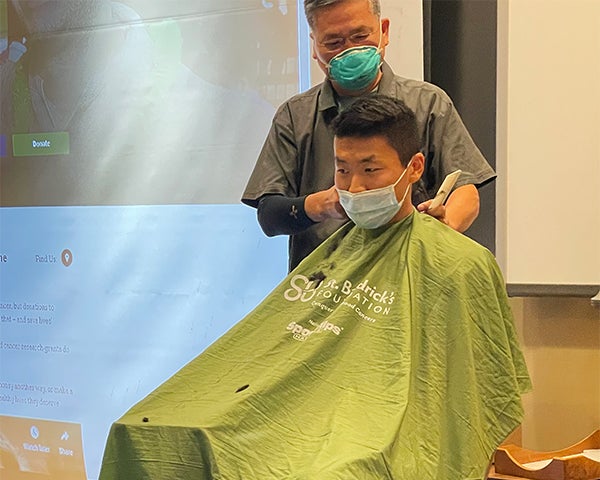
32	144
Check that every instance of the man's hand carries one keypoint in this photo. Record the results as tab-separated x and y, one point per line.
323	205
460	210
438	212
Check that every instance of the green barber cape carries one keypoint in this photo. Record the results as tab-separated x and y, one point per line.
386	354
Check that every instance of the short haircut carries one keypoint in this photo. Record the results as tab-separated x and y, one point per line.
312	6
380	115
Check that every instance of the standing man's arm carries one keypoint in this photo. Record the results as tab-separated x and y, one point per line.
273	187
460	210
450	147
281	215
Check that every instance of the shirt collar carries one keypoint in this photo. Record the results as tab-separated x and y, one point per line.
387	79
327	97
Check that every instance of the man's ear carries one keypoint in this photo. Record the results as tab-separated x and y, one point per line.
417	167
312	46
385	32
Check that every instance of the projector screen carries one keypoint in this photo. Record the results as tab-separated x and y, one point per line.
128	131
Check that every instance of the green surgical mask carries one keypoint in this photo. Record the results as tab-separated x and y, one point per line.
355	68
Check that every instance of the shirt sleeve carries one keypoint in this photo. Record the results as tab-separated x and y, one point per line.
449	146
279	215
446	143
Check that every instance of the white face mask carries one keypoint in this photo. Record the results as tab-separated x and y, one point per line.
373	208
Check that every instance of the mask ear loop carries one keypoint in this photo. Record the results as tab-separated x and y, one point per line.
401	202
379	49
327	64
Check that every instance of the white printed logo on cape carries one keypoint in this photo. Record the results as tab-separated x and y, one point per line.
366	301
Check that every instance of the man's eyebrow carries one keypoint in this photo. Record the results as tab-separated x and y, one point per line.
354	31
370	159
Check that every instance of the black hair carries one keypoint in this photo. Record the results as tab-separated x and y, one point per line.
380	115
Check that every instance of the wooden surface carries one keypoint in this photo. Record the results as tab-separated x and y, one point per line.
565	464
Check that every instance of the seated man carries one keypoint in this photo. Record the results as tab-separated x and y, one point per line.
388	353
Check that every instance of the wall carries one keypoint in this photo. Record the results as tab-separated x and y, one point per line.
561	342
560	335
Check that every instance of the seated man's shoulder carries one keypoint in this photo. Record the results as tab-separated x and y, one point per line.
446	244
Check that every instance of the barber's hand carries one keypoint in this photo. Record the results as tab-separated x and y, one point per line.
324	205
459	211
438	212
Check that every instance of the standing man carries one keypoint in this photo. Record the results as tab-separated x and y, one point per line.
292	182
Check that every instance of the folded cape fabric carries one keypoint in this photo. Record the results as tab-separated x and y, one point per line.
386	354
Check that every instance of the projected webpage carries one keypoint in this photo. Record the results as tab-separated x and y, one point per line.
127	134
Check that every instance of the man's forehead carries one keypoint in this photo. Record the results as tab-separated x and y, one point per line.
353	14
357	146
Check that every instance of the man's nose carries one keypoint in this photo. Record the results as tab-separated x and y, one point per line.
357	184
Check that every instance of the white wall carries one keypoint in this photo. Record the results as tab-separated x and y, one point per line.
405	51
